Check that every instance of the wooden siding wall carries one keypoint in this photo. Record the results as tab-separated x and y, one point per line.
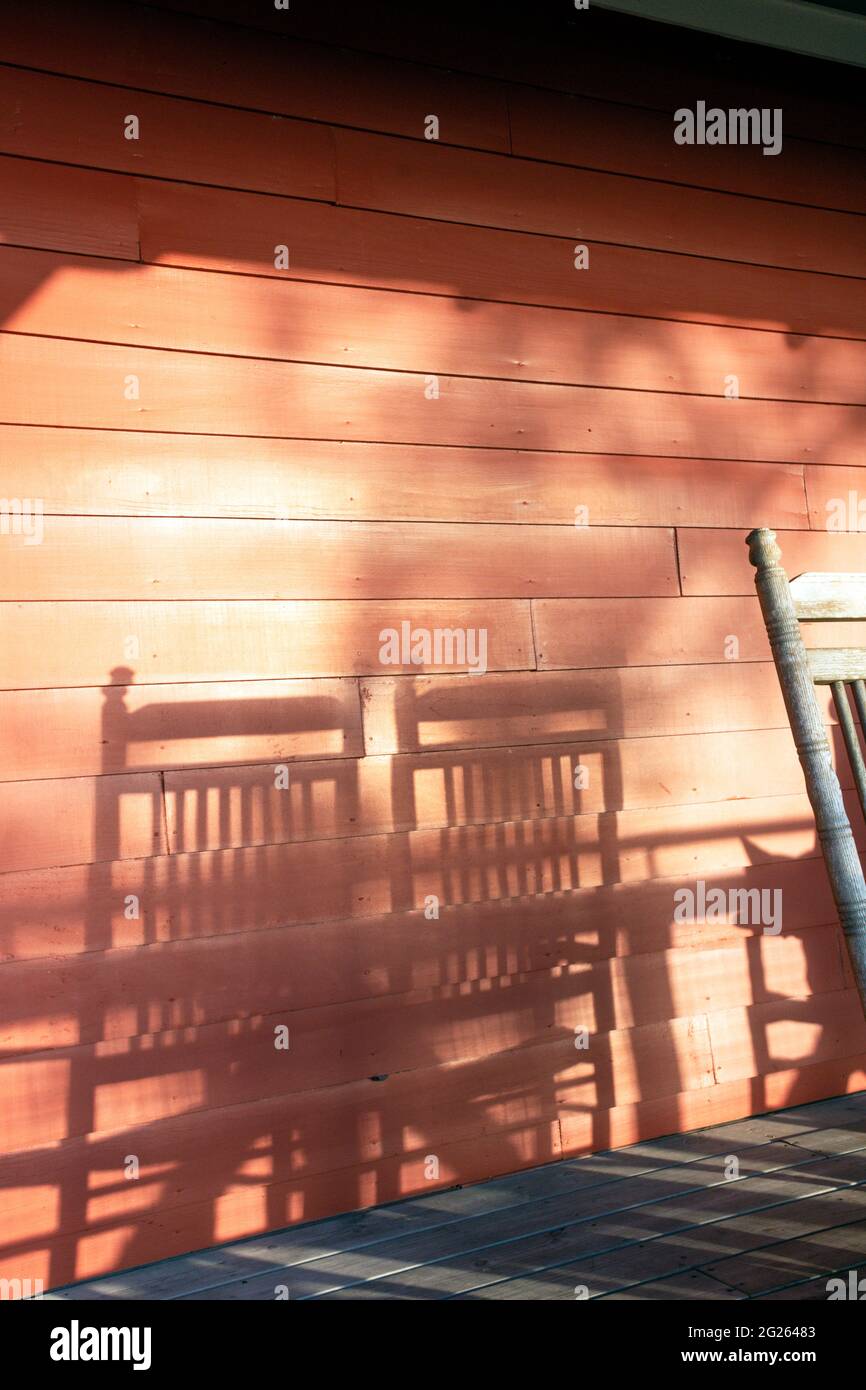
221	553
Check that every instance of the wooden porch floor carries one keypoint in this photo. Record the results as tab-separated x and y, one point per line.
657	1220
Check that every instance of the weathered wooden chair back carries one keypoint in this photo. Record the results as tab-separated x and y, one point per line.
821	598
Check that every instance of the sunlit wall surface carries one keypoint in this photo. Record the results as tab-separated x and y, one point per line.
396	789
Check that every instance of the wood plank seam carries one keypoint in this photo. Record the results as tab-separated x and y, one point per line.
411	67
465	376
749	267
535	1231
332	125
681	1269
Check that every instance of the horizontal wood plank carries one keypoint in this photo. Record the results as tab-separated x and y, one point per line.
378	171
98	472
836	498
89	731
423	713
84	123
48	382
273	885
232	65
99	644
233	1210
381	953
605	56
829	597
184	224
213	808
77	210
83	820
777	1035
62	1003
221	1066
579	131
719	562
200	311
645	632
80	821
838	664
138	558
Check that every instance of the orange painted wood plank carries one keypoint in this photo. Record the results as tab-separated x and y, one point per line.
836	499
155	1233
781	1034
91	643
713	1105
46	382
632	140
543	856
719	563
645	632
378	171
250	1145
213	808
427	712
626	1123
93	472
149	1233
197	226
585	633
367	875
79	821
192	57
763	969
198	311
224	1065
89	731
256	978
196	63
602	55
385	951
212	893
137	558
82	820
83	123
70	209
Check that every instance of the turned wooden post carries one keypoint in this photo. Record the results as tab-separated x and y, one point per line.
822	784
